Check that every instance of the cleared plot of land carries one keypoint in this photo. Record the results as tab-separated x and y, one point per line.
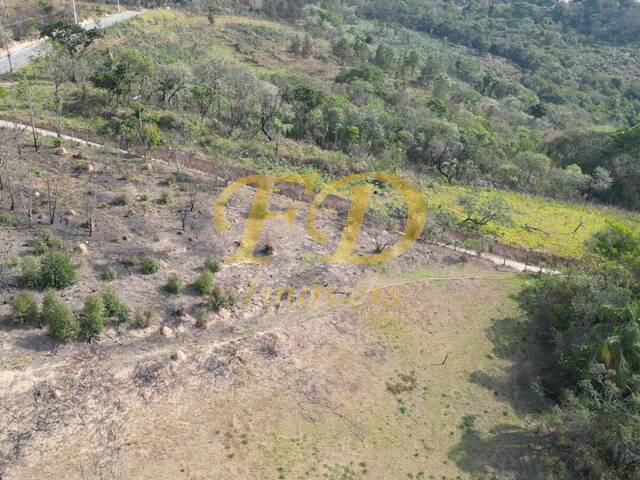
423	377
353	393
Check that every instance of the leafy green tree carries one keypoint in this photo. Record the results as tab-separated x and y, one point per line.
440	145
430	70
532	170
73	38
480	212
385	58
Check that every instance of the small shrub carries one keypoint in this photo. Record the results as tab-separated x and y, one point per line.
63	325
114	307
220	299
166	198
24	309
121	200
269	249
205	282
144	197
6	220
56	271
92	320
142	319
202	317
109	274
213	264
128	261
150	265
174	284
46	242
30	272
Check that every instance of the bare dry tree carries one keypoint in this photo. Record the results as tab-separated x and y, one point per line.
52	198
91	208
6	252
192	193
184	214
28	94
189	205
18	128
27	196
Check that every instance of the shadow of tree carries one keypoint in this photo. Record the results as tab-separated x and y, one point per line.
508	451
511	451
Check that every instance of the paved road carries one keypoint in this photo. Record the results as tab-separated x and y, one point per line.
24	56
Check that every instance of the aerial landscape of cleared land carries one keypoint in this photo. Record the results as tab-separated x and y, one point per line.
194	196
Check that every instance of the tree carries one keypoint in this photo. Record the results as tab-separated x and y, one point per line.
203	97
385	58
52	198
430	71
411	61
440	145
600	182
296	45
5	41
539	110
532	169
73	38
342	49
479	213
242	86
27	93
171	79
569	183
307	46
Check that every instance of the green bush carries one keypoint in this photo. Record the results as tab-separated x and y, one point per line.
63	325
56	271
202	318
174	284
220	299
92	320
213	264
7	220
166	198
205	282
109	274
128	261
142	319
150	265
46	242
114	307
24	309
30	272
121	200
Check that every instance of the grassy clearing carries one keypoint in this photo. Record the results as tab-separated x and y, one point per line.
558	219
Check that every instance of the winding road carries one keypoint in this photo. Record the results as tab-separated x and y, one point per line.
22	57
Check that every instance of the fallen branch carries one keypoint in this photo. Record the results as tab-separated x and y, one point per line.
443	362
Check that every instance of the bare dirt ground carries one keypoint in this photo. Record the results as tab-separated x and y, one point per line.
423	378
